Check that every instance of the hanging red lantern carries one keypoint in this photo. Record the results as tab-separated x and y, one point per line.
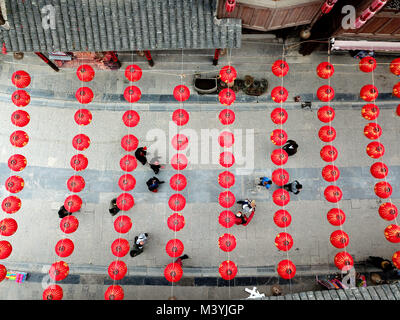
328	153
333	193
120	247
117	270
226	218
367	64
133	72
330	173
128	163
398	110
396	259
59	270
180	142
21	98
379	170
372	131
181	93
327	133
84	95
228	74
177	202
3	272
369	93
279	157
284	241
375	149
282	218
180	117
325	93
226	179
76	183
8	227
132	94
279	94
281	197
127	182
122	224
325	70
174	248
131	118
11	204
79	162
85	73
392	233
69	224
280	68
228	270
226	139
388	211
178	182
73	203
395	67
64	248
14	184
336	217
226	159
227	242
227	96
125	201
226	199
19	138
83	117
383	189
81	142
286	269
280	177
326	114
226	117
344	261
279	137
173	272
339	239
370	111
129	142
396	90
17	162
114	292
20	118
230	5
53	292
21	79
5	249
279	116
176	221
179	161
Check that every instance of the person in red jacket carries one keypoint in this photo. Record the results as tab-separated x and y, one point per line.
242	219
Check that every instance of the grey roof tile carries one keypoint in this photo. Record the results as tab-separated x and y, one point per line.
388	292
318	295
381	293
396	291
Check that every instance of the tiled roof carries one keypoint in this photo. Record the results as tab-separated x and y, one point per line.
119	25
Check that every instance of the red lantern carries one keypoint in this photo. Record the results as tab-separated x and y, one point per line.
396	90
375	150
20	118
85	73
178	182
227	270
333	193
328	153
180	117
226	159
69	224
73	203
343	261
114	292
379	170
8	227
325	70
325	93
383	189
370	111
120	247
282	218
226	139
14	184
326	114
388	211
280	177
83	117
336	217
5	249
64	248
3	272
180	142
226	219
59	270
131	118
177	202
21	79
127	182
179	161
227	96
327	133
53	292
122	224
372	131
230	5
132	94
280	68
76	183
227	242
176	221
125	201
396	259
279	116
228	74
284	241
395	67
330	173
367	64
128	163
279	137
173	272
117	270
84	95
226	117
286	269
226	179
133	72
226	199
129	142
174	248
79	162
81	142
398	110
392	233
279	157
17	162
369	93
281	197
19	138
339	239
11	204
21	98
181	93
279	94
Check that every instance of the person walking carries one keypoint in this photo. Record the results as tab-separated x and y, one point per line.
248	205
290	147
242	219
265	182
62	212
179	260
153	184
156	167
140	155
294	187
138	244
113	209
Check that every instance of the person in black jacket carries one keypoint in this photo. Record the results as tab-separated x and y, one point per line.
153	184
290	147
294	187
113	209
62	212
140	155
